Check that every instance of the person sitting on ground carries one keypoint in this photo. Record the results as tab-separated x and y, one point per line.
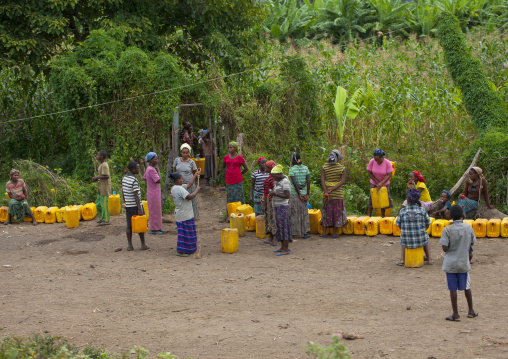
186	166
457	239
268	209
333	177
280	197
475	186
299	176
184	214
413	221
417	182
132	199
444	206
380	171
18	204
104	188
256	186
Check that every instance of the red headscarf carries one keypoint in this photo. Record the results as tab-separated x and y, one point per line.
260	158
271	164
419	176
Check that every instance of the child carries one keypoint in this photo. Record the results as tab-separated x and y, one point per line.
132	199
456	240
443	211
256	186
104	187
184	214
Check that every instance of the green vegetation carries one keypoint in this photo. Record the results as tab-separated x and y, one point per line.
336	350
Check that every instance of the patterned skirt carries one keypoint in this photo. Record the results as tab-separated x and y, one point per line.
467	204
187	236
300	224
335	213
19	209
235	193
270	222
258	205
283	219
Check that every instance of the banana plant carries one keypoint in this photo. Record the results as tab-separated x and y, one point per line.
345	110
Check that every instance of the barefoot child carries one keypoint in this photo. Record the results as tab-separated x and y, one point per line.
456	240
443	210
132	199
104	187
184	214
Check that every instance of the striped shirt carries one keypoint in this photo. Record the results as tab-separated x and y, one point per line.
268	185
300	173
260	177
130	187
333	174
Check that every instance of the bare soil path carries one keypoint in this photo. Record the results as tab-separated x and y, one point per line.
251	304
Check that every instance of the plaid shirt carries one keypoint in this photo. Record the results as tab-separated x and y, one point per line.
413	222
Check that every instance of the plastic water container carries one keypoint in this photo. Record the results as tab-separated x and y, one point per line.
388	212
50	215
396	229
89	212
7	197
40	213
139	224
438	226
393	166
504	227
232	207
314	218
413	258
246	209
260	227
114	204
29	219
145	208
372	226
4	214
359	225
229	240
238	221
494	228
72	217
429	230
200	163
350	226
328	230
469	221
250	222
480	227
60	214
379	198
386	225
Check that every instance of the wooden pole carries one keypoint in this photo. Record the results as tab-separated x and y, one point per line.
197	254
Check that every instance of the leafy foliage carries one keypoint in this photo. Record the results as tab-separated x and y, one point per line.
336	350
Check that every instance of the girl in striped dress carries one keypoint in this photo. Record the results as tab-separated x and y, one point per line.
184	214
333	177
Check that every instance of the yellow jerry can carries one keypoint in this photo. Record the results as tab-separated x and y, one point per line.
114	205
350	226
396	229
314	218
388	212
50	215
429	230
260	227
372	226
229	240
139	224
232	207
393	166
29	219
89	212
413	258
72	217
40	213
145	209
4	214
379	198
504	227
438	226
386	225
480	227
494	228
359	225
238	221
469	221
250	222
60	214
246	209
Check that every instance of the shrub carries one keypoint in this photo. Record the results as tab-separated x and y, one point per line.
336	350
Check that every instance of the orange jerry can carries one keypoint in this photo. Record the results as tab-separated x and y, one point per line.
359	225
480	227
139	224
396	229
386	225
494	228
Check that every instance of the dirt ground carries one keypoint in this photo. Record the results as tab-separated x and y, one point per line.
251	304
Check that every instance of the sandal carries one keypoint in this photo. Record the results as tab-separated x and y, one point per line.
451	318
402	264
475	314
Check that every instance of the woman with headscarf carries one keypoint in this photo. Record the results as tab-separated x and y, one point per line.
475	186
413	222
268	209
280	198
153	193
18	205
417	182
187	168
300	189
184	214
380	172
333	177
234	166
256	186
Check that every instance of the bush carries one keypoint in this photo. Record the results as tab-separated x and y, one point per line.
336	350
356	199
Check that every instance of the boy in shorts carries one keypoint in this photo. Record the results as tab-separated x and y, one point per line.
456	240
132	199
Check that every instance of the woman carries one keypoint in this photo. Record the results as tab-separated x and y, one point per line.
184	214
234	166
333	177
153	193
475	185
256	186
413	222
380	172
300	189
187	168
18	205
416	181
280	197
268	209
